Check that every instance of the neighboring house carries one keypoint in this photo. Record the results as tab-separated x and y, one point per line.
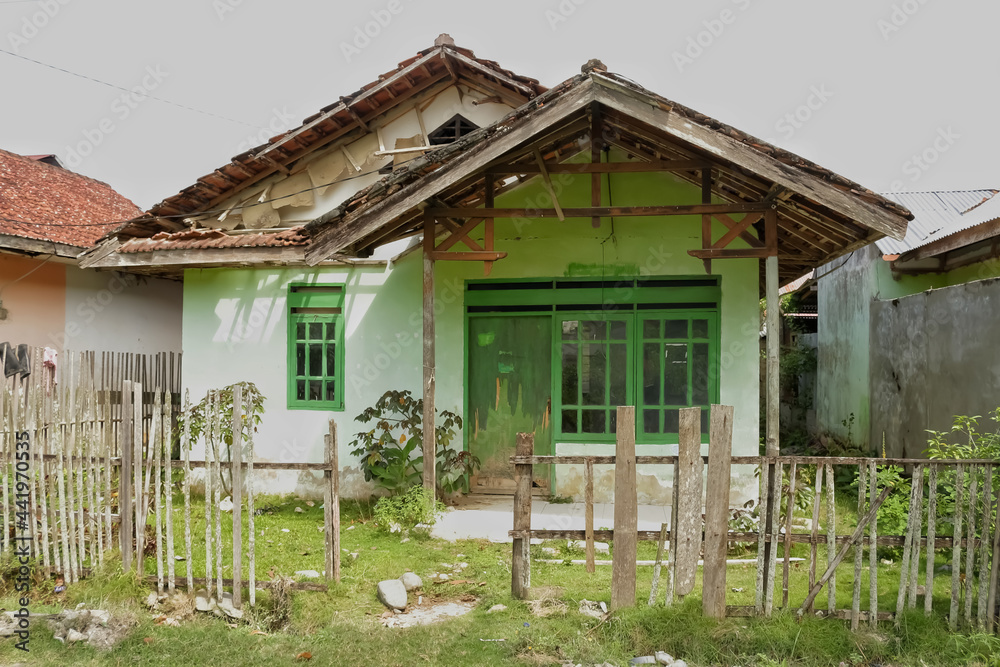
48	216
529	258
905	327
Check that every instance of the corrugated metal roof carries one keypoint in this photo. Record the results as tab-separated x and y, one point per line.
941	213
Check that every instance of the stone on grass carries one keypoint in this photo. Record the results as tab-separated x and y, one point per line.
497	607
152	600
664	658
411	581
392	593
309	574
226	505
73	636
203	603
227	608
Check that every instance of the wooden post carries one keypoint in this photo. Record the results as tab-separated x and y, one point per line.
774	517
520	569
918	514
657	566
873	548
831	537
124	479
991	603
984	544
773	398
686	544
814	536
859	550
331	513
626	512
904	568
168	490
763	514
970	543
720	451
208	435
251	528
186	451
588	510
156	444
236	473
137	504
430	434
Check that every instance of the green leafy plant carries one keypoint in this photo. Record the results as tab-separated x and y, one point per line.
894	512
252	408
391	451
403	512
966	440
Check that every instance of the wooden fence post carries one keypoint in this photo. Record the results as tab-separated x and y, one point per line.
520	587
236	473
687	543
588	512
331	513
720	451
626	512
124	478
137	504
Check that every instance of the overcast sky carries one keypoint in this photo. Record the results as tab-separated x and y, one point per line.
896	94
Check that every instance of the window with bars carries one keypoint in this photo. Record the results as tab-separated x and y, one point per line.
315	347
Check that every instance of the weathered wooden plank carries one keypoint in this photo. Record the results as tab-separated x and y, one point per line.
137	501
984	544
588	513
623	574
156	444
125	531
216	425
831	537
956	549
521	554
718	483
167	422
428	318
789	512
251	528
859	551
774	505
872	546
904	568
745	460
598	211
687	543
991	603
186	451
814	535
331	517
763	511
970	552
236	456
931	533
918	518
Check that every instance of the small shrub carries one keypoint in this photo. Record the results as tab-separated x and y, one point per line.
894	512
390	452
403	512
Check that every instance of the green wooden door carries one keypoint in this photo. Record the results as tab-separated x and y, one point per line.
510	392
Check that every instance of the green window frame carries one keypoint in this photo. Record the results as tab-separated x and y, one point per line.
315	346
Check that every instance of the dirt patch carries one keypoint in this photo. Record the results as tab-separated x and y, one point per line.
427	613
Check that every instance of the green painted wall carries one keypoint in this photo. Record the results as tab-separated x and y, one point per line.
235	327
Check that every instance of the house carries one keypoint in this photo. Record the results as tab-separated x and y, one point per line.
48	216
904	325
528	258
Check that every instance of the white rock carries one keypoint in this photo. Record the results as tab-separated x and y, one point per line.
496	607
311	574
550	551
151	600
680	663
298	510
204	604
664	658
392	593
227	608
411	581
226	505
172	622
350	528
285	530
459	555
74	636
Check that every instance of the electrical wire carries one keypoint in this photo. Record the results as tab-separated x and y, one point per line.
128	90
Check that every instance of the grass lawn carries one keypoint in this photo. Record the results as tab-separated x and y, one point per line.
343	627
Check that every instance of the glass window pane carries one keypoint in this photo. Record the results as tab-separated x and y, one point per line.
300	330
675	375
570	329
595	330
671	421
300	359
593	421
315	331
650	421
652	378
569	421
570	379
315	390
331	331
315	360
594	374
331	391
331	361
612	421
618	330
619	375
699	329
676	329
704	422
300	390
699	374
651	329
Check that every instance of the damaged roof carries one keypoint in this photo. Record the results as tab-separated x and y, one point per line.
45	202
821	215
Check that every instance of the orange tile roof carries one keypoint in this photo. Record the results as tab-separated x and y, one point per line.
214	238
45	202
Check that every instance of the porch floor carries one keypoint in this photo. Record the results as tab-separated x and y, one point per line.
490	517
